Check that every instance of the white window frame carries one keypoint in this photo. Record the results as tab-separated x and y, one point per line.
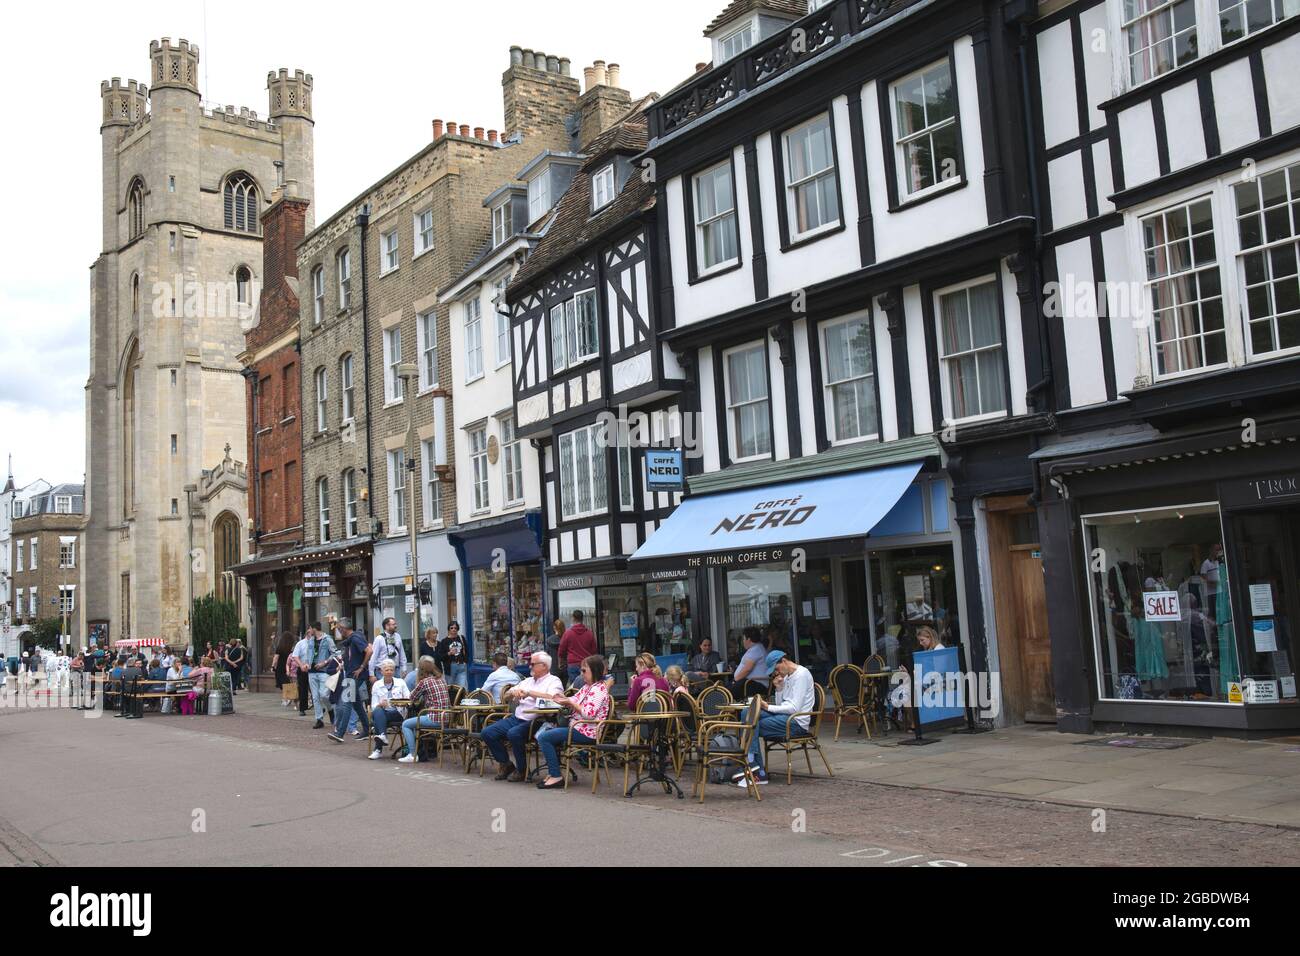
1125	20
733	438
432	503
323	508
33	603
502	322
539	194
318	295
747	31
63	504
33	552
570	349
422	235
68	554
397	491
389	252
20	556
626	473
602	187
347	394
426	332
512	465
349	503
1241	4
394	386
480	493
903	184
322	399
1240	253
473	309
67	600
792	187
501	230
597	479
828	386
942	359
343	269
19	603
699	225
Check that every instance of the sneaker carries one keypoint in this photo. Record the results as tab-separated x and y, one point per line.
760	780
357	734
318	725
740	774
409	758
375	754
335	737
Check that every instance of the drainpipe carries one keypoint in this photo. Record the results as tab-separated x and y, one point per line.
1036	208
363	224
250	374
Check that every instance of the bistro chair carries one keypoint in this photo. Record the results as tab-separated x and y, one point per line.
454	694
848	688
711	754
634	749
685	730
597	753
454	731
801	740
752	688
711	700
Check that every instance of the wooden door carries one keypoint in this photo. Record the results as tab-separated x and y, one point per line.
1030	604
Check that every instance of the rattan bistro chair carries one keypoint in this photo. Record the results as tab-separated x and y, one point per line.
453	733
635	748
711	755
711	700
848	688
794	740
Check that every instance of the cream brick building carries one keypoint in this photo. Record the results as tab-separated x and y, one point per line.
184	185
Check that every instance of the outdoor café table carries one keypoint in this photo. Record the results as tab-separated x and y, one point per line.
660	755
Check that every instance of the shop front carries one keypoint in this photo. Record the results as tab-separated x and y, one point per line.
502	584
832	569
393	597
1185	554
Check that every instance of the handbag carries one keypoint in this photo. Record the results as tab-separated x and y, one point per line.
332	682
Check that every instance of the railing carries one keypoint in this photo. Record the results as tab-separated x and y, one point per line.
768	59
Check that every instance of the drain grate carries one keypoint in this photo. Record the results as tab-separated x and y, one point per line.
1140	743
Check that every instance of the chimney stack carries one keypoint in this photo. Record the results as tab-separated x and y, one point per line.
603	102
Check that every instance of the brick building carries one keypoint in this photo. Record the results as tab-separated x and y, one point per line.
273	371
371	271
45	549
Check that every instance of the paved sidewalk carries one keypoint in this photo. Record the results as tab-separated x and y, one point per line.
1217	778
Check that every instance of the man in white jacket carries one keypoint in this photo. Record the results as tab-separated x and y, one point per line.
795	695
388	647
387	698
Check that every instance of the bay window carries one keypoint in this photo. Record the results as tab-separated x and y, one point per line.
1184	288
575	331
583	488
1268	229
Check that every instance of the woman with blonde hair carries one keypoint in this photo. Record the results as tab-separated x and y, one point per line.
648	678
676	678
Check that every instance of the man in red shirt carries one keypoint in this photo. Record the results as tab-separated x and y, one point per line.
577	644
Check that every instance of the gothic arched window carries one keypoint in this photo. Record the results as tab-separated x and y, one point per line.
243	286
135	208
130	385
240	198
225	540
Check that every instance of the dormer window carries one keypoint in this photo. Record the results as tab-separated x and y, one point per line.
602	188
539	197
736	42
500	224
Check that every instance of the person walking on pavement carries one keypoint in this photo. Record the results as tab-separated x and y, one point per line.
577	644
319	650
356	658
452	657
388	647
297	656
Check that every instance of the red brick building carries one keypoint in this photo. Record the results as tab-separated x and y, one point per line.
274	401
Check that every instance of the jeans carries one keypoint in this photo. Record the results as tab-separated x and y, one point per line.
459	675
551	738
409	727
384	717
411	680
304	691
350	704
575	675
319	692
772	727
510	729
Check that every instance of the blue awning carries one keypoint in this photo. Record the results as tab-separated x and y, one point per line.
761	525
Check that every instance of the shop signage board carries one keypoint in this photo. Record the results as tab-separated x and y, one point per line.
1259	691
1161	606
665	469
1234	693
1265	636
939	685
1270	489
1261	600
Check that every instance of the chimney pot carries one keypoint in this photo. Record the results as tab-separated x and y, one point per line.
492	136
451	127
539	61
464	130
599	67
478	132
588	78
564	66
516	55
612	75
437	129
552	64
701	67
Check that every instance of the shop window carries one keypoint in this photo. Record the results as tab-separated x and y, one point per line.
1161	604
759	597
913	588
584	600
490	596
668	612
1267	588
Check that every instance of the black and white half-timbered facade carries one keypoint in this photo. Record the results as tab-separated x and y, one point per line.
595	389
1167	153
847	269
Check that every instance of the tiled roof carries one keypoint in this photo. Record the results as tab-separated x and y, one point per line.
574	226
738	8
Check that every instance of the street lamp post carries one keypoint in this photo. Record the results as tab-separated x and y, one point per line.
409	372
190	491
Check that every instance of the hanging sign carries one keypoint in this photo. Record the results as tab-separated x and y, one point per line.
664	469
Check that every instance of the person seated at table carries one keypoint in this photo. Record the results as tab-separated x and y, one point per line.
753	664
928	638
676	681
202	678
705	662
186	665
387	698
173	674
131	670
156	670
501	678
541	684
591	703
794	694
648	677
430	694
116	672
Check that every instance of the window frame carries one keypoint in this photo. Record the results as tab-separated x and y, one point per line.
501	223
694	226
431	504
729	408
418	242
318	295
394	386
932	299
350	515
480	492
1291	173
321	384
426	328
504	355
569	309
396	458
895	155
347	386
597	468
867	318
389	256
542	181
472	317
512	464
323	509
70	562
602	188
788	206
343	272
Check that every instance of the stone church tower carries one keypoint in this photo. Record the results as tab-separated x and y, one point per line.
173	289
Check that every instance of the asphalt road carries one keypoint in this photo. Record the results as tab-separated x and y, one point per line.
257	791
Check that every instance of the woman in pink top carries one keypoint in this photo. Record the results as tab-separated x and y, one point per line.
648	677
591	706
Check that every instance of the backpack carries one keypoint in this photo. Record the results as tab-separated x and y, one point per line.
721	773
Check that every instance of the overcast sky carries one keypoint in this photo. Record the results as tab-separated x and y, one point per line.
379	81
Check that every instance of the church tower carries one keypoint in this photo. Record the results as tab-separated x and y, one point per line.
172	291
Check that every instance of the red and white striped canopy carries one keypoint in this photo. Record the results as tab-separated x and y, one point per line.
141	642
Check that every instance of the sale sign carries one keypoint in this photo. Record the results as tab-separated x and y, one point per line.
1161	606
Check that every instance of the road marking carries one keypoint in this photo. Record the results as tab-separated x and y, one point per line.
425	776
877	855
